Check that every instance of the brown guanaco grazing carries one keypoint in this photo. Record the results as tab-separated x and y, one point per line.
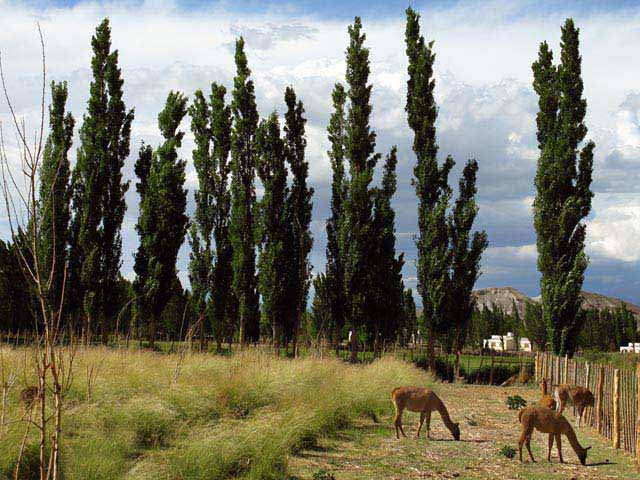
28	396
581	397
425	401
548	421
546	400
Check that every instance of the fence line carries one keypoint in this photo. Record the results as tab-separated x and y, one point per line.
616	413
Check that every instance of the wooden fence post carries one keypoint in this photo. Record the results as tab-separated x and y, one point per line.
599	400
638	417
616	408
565	375
535	367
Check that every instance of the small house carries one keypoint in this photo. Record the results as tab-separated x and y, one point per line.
631	348
507	343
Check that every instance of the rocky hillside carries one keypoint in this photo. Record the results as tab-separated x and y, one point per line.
505	298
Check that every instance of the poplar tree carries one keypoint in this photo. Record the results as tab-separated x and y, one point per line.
466	252
99	204
356	228
431	183
223	301
201	230
334	281
243	197
141	257
386	270
55	193
410	316
273	256
563	195
299	207
162	224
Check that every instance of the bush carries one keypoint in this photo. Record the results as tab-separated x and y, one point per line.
444	371
508	451
516	402
323	475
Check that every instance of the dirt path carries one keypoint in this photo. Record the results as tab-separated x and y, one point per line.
371	451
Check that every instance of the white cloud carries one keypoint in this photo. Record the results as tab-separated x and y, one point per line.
487	108
614	232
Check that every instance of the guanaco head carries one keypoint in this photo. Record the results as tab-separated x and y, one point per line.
544	383
590	399
456	431
583	456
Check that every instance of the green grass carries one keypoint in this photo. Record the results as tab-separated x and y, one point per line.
627	361
241	416
370	451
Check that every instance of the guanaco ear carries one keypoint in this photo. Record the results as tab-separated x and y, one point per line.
587	449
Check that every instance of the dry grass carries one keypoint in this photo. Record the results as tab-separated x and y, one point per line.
238	416
251	416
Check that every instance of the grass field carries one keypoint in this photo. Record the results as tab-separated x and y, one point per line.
251	416
370	450
224	417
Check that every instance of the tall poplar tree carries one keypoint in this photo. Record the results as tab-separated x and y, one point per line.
356	228
431	183
410	321
276	297
162	224
99	191
386	271
141	257
299	207
201	231
563	195
334	281
466	252
243	197
223	300
55	193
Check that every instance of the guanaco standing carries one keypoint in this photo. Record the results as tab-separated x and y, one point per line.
546	400
581	397
548	421
425	401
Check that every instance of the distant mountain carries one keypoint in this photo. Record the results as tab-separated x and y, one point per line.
505	297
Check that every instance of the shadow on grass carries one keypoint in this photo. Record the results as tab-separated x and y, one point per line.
599	464
462	440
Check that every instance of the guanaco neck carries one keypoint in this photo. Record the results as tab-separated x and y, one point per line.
573	440
446	419
543	386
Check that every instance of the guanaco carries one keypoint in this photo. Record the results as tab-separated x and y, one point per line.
581	397
28	396
425	401
548	421
546	400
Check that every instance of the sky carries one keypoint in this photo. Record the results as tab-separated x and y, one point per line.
487	107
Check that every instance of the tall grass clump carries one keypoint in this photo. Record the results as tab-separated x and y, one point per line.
239	416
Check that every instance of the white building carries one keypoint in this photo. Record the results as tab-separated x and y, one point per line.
507	343
631	348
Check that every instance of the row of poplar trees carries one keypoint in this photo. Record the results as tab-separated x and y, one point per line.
83	210
249	265
249	268
363	281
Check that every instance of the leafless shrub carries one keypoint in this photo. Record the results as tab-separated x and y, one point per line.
54	363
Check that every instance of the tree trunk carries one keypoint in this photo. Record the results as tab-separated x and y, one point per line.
152	332
431	352
354	345
202	337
